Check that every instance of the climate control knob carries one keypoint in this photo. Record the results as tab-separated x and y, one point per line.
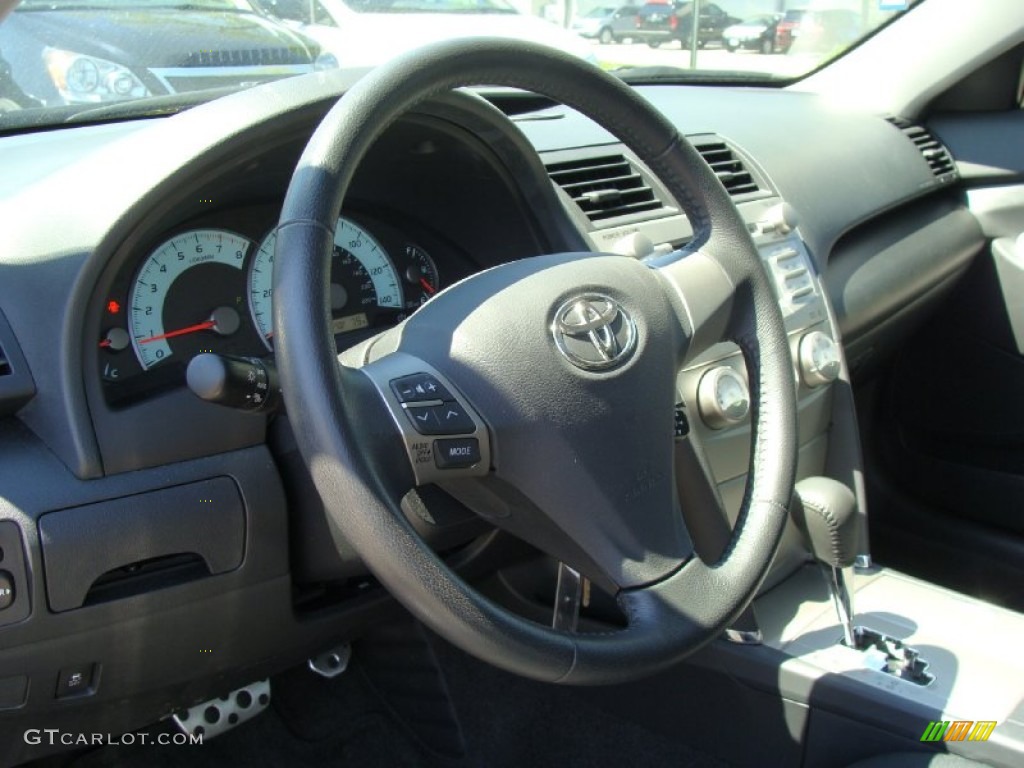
819	359
723	397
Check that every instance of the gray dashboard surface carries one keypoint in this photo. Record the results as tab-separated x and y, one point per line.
836	167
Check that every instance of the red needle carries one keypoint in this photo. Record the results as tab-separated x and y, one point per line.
105	343
180	332
427	286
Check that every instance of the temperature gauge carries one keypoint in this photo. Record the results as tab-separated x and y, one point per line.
420	272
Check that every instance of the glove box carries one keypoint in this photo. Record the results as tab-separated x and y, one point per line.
138	544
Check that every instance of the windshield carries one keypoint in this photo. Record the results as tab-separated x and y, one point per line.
67	60
431	6
114	5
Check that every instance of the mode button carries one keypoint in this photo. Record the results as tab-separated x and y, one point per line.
457	453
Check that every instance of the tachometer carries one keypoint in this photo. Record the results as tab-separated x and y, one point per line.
364	284
187	294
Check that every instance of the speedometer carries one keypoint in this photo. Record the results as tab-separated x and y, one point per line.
364	285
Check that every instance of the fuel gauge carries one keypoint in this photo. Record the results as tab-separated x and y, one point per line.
420	272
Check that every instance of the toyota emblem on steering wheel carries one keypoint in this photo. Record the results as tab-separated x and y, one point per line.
594	332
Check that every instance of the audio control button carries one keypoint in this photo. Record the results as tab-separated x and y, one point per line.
456	453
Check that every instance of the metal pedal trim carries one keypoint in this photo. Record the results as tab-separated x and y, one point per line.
332	662
216	716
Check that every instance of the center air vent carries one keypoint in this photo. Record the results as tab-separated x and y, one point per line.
942	165
729	169
604	187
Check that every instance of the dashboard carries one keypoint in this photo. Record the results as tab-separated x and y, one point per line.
163	251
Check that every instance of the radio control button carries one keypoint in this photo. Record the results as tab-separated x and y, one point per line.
456	453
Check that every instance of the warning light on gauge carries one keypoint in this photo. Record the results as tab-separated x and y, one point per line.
113	307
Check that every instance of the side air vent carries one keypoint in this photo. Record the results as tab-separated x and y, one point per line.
16	386
729	169
934	152
604	187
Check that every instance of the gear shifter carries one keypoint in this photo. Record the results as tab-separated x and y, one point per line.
825	511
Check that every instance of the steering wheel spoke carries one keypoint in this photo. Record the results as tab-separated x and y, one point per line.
703	296
444	437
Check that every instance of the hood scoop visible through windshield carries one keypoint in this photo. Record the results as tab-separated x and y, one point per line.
246	57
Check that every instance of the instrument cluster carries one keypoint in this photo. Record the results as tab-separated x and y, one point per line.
210	289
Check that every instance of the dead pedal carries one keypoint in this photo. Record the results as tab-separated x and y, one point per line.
214	717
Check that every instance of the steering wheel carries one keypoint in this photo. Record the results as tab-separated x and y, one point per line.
544	388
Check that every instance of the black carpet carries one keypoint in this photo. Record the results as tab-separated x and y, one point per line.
511	722
310	722
360	720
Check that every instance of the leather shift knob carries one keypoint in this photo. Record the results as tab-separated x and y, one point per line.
825	511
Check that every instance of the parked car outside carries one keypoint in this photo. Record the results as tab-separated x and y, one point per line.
788	29
757	34
662	22
364	33
609	24
93	51
827	31
11	96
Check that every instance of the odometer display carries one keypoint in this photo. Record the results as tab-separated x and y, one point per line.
363	280
184	293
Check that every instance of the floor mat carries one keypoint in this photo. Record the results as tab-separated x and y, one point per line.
511	722
506	721
310	722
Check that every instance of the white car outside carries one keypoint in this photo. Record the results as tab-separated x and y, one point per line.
369	32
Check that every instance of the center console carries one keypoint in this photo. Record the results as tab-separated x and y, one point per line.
883	661
864	660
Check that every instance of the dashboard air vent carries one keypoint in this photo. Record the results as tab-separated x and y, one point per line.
16	386
729	169
604	187
934	152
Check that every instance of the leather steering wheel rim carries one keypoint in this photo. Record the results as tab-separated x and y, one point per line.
671	610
